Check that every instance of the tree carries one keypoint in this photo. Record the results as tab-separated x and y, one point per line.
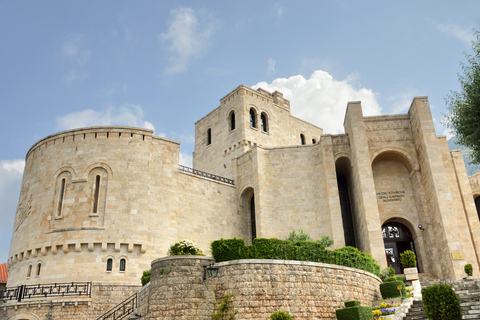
464	106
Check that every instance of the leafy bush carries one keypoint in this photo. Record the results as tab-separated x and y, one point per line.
228	249
280	315
356	312
389	279
408	259
233	249
295	237
185	247
390	289
224	308
300	236
441	302
468	269
145	277
391	272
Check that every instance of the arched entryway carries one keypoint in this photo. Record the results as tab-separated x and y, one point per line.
397	238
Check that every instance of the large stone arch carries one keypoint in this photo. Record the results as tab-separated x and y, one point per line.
396	154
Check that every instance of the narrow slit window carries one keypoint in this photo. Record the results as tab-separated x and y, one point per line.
314	141
39	266
232	121
123	264
109	264
96	194
209	136
29	272
60	199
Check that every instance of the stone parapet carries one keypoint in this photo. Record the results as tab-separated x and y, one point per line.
259	287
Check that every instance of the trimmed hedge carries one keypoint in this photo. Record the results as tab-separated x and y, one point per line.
234	249
389	289
354	313
353	303
441	302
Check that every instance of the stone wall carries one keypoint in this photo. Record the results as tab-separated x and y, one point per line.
104	297
307	290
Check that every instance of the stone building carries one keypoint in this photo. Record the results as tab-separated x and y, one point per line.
101	203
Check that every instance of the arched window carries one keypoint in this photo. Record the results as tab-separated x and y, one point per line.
39	266
209	136
123	264
253	118
252	217
109	264
232	120
264	122
314	141
302	139
96	193
29	271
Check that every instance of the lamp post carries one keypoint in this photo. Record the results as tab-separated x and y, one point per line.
211	270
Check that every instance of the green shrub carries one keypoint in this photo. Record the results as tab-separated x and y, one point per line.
441	302
185	247
390	289
391	272
294	237
145	277
353	303
389	279
228	249
280	315
233	249
468	269
354	313
400	278
408	259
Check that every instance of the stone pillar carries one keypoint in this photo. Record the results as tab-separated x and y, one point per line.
367	221
443	241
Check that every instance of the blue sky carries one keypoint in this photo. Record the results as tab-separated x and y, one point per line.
165	64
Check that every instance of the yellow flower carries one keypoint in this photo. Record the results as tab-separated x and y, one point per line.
377	312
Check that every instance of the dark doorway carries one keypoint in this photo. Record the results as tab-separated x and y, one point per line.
396	239
347	220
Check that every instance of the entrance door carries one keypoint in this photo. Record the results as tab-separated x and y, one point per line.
396	239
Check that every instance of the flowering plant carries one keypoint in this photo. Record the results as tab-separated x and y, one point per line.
376	314
185	247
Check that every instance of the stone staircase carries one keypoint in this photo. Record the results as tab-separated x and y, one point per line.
468	291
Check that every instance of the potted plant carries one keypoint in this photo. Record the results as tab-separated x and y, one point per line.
409	263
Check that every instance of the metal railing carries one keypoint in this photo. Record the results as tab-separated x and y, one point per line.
121	310
206	175
46	290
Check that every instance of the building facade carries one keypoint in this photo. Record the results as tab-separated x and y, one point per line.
101	203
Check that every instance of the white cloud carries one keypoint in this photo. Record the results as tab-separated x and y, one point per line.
277	11
185	160
271	66
321	99
74	50
123	116
465	35
11	173
188	37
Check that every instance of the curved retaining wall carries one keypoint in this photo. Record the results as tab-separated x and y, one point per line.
307	290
